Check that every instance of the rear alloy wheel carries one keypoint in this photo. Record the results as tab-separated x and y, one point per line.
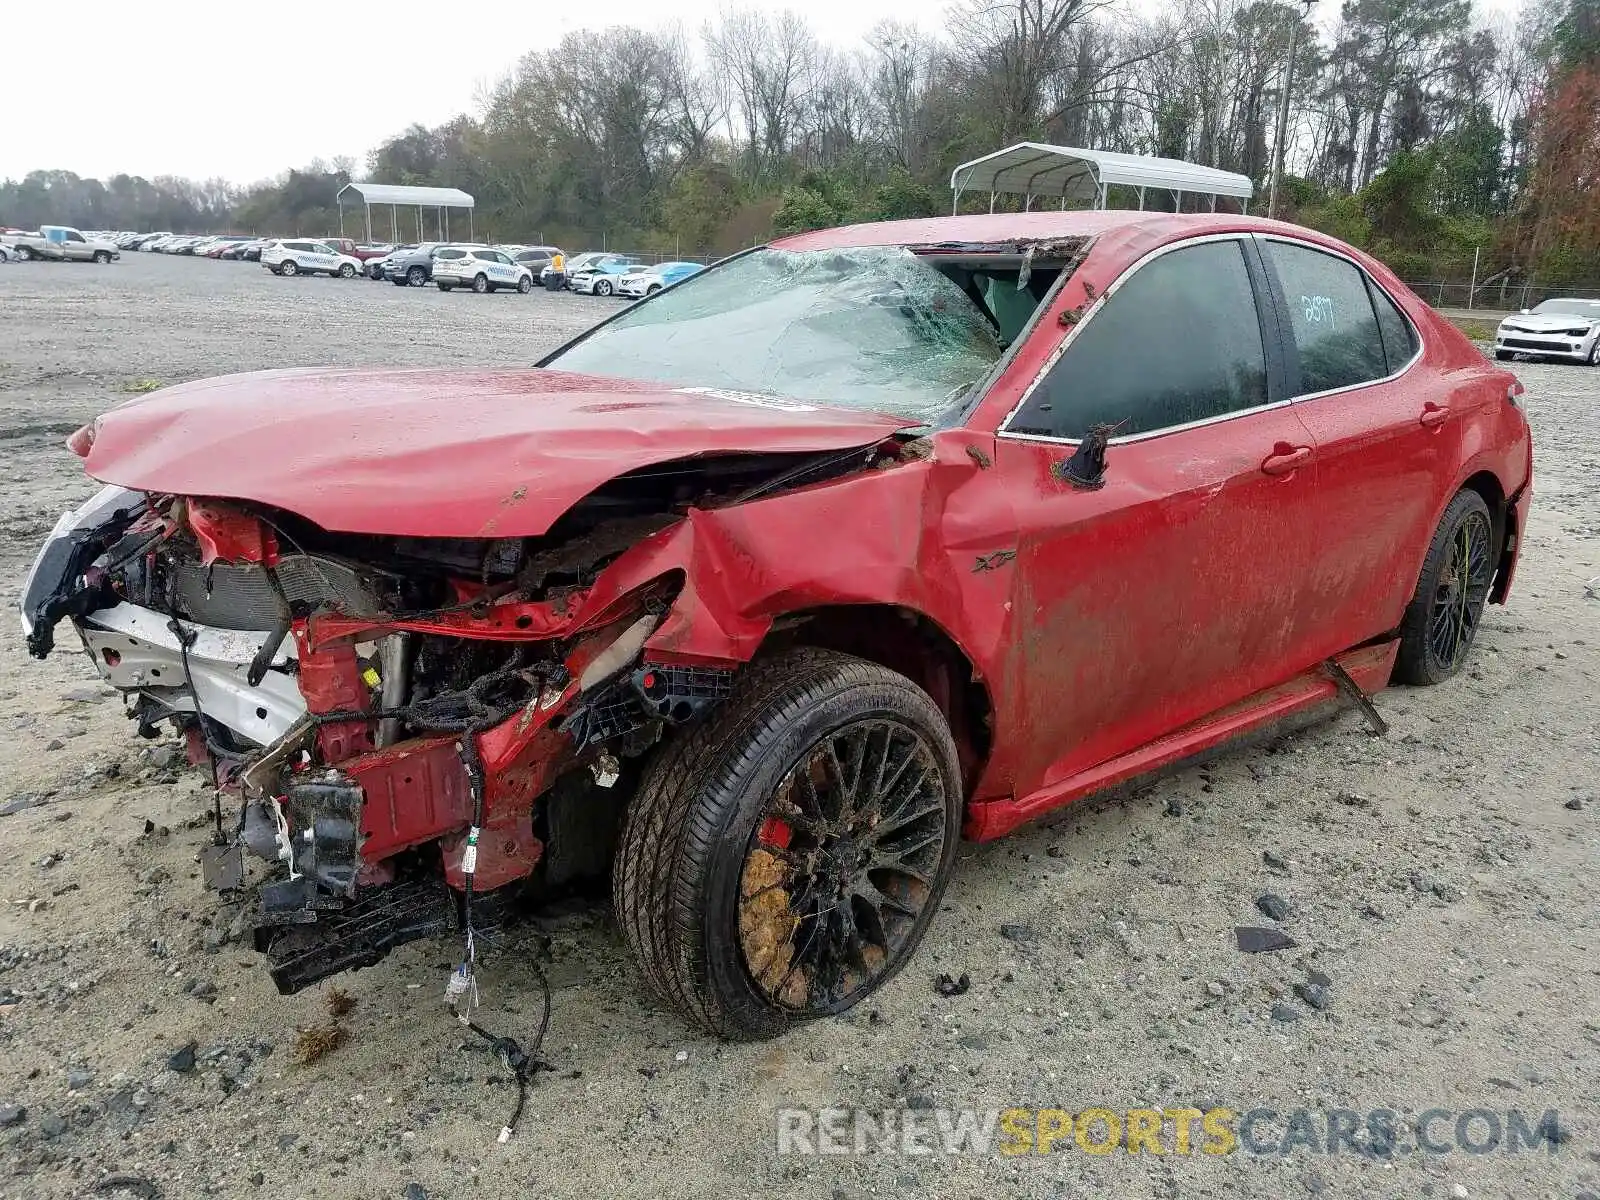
346	271
288	267
782	860
602	287
480	284
1442	619
102	257
24	254
524	285
416	276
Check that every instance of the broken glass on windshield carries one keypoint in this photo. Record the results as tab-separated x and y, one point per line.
869	328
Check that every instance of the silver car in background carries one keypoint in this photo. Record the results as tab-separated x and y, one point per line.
1560	328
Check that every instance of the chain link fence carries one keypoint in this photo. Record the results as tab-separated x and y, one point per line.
1501	296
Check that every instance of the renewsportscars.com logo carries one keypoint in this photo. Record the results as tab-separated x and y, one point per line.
1382	1133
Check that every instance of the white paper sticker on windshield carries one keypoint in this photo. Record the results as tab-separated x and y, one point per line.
755	398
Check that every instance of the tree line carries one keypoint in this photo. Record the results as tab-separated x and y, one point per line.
1417	128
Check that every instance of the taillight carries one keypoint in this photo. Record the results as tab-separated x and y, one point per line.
1513	390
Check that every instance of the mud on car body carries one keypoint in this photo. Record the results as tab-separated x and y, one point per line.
758	596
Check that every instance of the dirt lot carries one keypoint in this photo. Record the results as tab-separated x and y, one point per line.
1443	879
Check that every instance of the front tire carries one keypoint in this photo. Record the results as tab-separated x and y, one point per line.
602	287
101	257
782	860
1442	619
346	271
288	267
1594	353
524	285
24	254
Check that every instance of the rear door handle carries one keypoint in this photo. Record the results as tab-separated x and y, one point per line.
1285	458
1434	415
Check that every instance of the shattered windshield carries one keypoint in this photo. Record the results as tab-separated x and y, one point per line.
869	328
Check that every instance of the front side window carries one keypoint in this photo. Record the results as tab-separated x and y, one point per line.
1179	341
1336	333
872	328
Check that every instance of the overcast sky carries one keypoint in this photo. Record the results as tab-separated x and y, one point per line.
188	87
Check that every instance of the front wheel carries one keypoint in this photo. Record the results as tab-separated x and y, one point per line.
524	285
782	860
1594	353
100	256
602	287
289	267
346	271
1442	619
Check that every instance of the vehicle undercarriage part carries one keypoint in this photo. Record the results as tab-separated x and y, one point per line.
1352	689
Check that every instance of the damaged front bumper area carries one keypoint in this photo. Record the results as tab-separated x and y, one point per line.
389	712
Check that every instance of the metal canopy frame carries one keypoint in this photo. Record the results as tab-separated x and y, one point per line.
398	196
1031	169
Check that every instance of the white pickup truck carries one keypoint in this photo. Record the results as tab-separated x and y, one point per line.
62	244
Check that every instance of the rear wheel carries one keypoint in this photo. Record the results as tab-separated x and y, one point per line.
1441	621
346	271
480	284
288	267
25	254
782	860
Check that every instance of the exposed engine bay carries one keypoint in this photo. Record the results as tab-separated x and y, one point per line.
402	722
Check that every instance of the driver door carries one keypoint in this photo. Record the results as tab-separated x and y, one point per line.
1178	586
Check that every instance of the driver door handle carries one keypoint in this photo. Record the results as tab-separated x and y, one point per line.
1285	458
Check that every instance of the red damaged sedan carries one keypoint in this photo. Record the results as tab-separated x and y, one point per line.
763	593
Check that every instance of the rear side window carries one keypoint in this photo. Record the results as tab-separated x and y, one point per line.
1336	334
449	253
1179	341
301	247
1399	339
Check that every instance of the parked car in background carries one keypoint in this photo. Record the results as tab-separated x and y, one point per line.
1557	328
646	281
219	247
599	276
481	268
412	267
63	243
300	256
535	258
377	266
575	262
7	253
361	252
31	244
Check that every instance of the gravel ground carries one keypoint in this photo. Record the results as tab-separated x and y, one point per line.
1442	880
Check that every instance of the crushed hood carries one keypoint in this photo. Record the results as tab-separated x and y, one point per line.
439	453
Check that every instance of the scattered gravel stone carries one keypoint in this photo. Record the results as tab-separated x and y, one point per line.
1575	804
1283	1014
12	1114
1017	933
1448	892
1276	862
181	1060
415	1191
1258	939
1273	906
25	800
79	1077
52	1125
1315	996
1318	978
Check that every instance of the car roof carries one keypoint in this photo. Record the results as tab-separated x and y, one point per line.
987	229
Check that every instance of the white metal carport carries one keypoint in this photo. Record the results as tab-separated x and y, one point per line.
399	196
1066	173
